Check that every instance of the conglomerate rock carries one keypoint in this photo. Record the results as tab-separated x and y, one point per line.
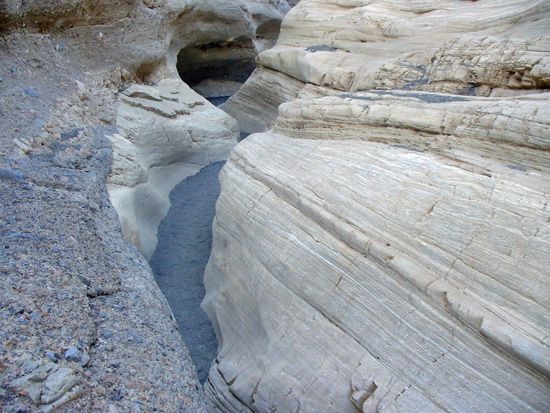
83	325
384	247
80	311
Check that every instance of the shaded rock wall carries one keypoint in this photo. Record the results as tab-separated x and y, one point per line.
224	41
80	309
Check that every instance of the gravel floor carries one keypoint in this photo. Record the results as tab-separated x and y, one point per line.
183	249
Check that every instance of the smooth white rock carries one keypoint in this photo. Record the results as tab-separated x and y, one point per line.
166	133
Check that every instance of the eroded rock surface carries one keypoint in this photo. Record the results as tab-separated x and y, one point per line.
385	246
222	43
459	47
80	311
166	133
83	325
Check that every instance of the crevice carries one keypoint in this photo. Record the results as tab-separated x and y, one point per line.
181	255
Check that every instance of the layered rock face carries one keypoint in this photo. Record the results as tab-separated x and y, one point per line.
453	46
167	132
385	246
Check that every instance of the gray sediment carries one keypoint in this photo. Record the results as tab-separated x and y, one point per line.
183	249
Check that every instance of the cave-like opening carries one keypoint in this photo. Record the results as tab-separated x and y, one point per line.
217	70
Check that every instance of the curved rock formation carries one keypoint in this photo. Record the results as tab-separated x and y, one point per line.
386	247
165	134
383	246
222	43
455	46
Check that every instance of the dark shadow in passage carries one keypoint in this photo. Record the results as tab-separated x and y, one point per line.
183	249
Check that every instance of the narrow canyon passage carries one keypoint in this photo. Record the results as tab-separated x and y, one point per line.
237	206
183	249
185	234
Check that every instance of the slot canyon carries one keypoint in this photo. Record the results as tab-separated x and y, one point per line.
274	206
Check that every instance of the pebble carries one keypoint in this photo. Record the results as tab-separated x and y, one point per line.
107	334
35	316
29	366
84	360
118	395
38	123
51	356
57	384
42	372
31	92
72	133
73	354
11	175
134	338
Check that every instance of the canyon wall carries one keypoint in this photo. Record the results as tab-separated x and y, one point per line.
165	133
453	46
90	94
146	41
384	244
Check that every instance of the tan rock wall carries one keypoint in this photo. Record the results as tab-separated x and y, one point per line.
379	246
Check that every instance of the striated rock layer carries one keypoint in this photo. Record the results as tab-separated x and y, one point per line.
385	246
454	46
